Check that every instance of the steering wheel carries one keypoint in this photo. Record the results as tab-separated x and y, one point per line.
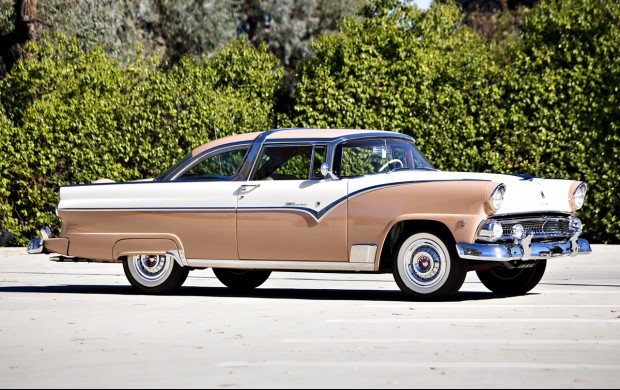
387	164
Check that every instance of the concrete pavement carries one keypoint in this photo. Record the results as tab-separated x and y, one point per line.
82	326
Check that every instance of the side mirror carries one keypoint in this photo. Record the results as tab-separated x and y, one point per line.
327	173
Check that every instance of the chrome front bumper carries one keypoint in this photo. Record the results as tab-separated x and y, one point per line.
524	250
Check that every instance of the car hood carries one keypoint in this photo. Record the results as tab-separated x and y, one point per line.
524	194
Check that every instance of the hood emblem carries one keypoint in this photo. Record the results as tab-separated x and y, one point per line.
542	194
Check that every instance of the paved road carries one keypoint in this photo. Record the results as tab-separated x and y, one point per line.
82	326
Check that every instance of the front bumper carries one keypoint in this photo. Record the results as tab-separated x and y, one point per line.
524	250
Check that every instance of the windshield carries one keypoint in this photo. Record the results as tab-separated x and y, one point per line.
220	166
172	170
358	158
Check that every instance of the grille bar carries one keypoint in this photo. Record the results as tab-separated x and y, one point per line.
543	228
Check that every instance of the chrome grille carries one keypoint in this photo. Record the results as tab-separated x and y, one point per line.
543	228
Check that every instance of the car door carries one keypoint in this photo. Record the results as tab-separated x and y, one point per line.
208	194
286	211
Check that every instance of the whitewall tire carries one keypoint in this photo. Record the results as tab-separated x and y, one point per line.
154	274
426	267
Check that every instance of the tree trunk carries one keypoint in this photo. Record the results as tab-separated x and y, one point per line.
12	43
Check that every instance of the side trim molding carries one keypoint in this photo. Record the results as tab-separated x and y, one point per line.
283	265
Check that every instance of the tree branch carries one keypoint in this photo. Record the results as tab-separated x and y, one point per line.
24	31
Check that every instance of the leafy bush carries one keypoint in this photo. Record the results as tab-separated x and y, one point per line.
75	116
562	100
546	104
9	224
405	70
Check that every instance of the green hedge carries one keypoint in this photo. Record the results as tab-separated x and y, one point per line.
544	103
401	69
74	117
563	103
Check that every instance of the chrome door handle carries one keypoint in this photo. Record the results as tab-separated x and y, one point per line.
246	187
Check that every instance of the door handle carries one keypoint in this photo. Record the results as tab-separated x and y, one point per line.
248	187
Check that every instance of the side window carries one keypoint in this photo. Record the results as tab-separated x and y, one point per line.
222	166
357	161
284	163
360	158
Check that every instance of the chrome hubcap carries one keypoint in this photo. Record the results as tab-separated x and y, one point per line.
425	263
151	267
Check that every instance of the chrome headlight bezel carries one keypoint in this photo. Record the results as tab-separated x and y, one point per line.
497	197
578	196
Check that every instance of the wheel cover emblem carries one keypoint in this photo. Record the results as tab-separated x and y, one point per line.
424	263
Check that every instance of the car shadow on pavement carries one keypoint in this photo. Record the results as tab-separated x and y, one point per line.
263	293
580	285
332	294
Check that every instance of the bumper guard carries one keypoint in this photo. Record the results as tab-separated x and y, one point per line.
36	246
525	249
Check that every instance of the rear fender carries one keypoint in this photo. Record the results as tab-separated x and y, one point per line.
149	246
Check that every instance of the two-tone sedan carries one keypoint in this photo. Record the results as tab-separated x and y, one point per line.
321	201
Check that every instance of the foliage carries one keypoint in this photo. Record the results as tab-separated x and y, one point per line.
499	20
6	135
288	26
405	70
7	14
171	29
189	26
545	104
562	98
492	5
76	116
126	28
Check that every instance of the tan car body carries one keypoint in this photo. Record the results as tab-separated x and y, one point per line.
211	235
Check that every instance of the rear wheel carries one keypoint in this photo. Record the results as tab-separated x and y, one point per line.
426	267
512	281
241	280
154	274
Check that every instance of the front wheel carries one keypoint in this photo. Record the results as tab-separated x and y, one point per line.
154	274
425	267
241	280
506	281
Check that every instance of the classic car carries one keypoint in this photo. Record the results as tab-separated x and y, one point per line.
321	201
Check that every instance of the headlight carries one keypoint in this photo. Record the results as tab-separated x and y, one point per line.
491	231
579	195
497	198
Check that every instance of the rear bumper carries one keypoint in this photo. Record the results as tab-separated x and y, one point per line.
49	245
36	246
525	250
